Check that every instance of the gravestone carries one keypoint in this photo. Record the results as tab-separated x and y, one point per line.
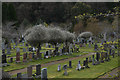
19	76
16	44
17	49
39	55
13	46
24	57
53	46
95	47
106	56
26	44
46	55
24	50
113	53
70	64
78	66
11	60
3	46
46	45
29	71
38	69
110	51
86	63
65	68
44	74
30	56
60	52
90	60
3	51
102	57
93	60
23	44
17	57
59	68
33	55
49	52
77	50
89	44
49	46
97	58
4	59
8	51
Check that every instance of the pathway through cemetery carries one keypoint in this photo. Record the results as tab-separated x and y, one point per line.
48	64
111	74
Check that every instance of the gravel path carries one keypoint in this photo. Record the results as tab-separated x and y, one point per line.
48	64
112	73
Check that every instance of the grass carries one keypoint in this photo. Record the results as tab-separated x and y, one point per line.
14	66
92	72
43	49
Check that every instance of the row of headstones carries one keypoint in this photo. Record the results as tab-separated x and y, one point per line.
25	57
85	63
39	73
39	56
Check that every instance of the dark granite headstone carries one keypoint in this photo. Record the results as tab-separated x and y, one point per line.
11	59
4	58
86	63
38	69
70	64
93	60
19	76
33	55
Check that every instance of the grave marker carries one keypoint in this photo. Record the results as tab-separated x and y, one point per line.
24	57
30	56
59	68
17	57
70	64
44	74
29	71
38	69
78	66
65	68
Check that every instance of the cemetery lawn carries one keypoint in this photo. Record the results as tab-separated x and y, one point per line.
16	66
93	72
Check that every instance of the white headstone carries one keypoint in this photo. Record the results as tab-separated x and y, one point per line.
44	74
